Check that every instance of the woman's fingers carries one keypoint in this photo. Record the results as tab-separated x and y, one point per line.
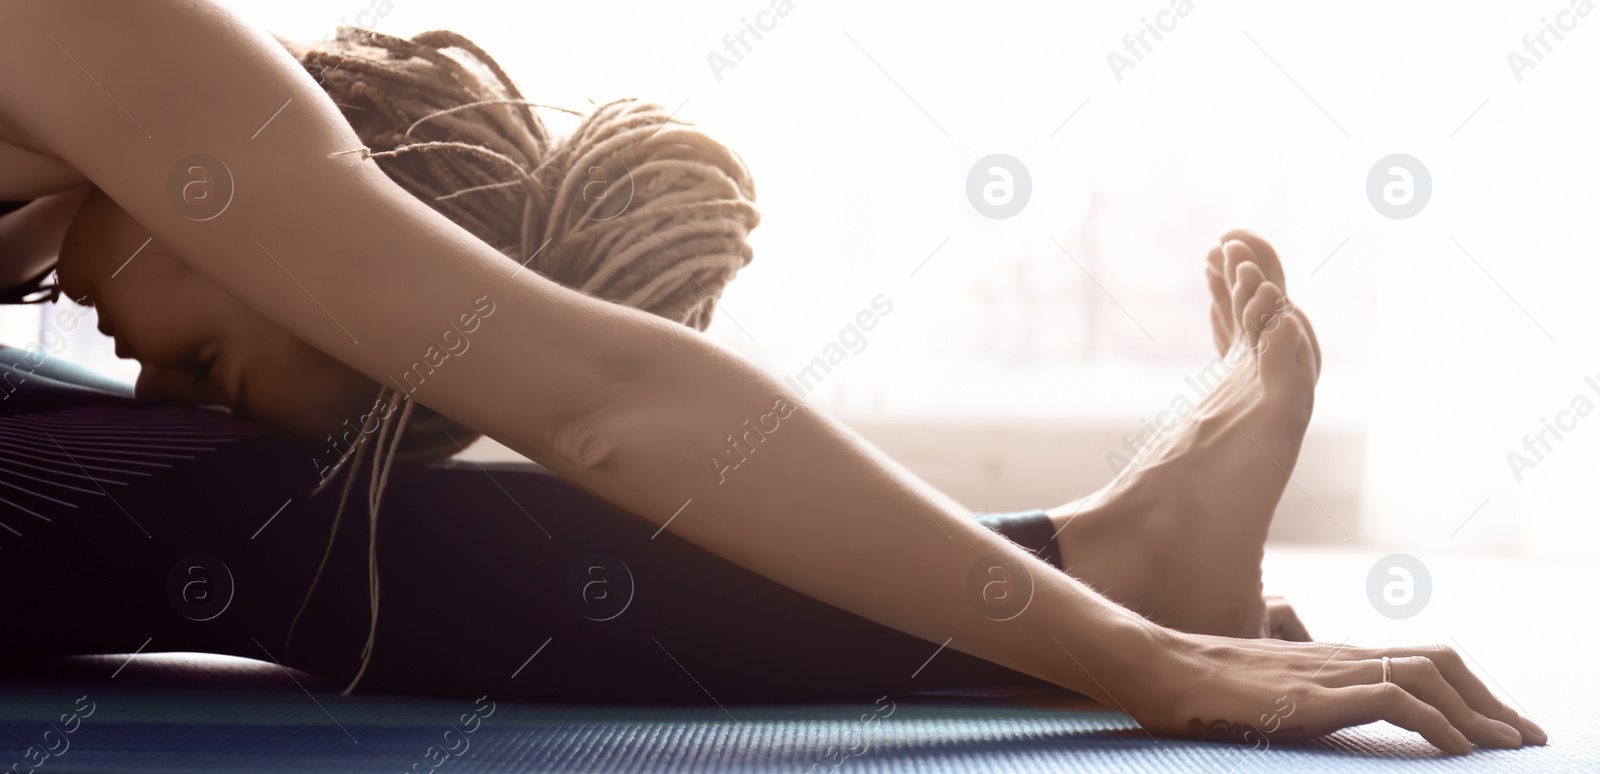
1429	691
1362	704
1422	679
1471	689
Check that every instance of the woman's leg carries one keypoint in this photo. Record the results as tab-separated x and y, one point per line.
163	528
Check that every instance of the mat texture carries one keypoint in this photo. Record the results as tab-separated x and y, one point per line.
146	726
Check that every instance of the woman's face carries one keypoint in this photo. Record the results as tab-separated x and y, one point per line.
194	342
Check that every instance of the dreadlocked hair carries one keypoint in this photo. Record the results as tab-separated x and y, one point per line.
633	207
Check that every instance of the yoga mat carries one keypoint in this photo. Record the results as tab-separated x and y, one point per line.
176	729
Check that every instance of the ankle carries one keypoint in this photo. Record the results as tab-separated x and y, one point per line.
1091	537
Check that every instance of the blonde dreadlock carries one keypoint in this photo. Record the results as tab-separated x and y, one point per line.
665	232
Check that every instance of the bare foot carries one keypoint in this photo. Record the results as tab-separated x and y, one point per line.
1179	536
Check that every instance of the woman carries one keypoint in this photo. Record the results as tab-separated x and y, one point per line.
627	406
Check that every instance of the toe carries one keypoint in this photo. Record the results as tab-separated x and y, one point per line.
1265	310
1283	351
1246	286
1214	258
1288	375
1265	256
1235	253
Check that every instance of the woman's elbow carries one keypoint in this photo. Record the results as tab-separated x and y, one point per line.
585	443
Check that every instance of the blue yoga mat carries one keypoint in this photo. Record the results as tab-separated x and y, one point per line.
134	727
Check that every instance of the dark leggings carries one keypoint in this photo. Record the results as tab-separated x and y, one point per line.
127	525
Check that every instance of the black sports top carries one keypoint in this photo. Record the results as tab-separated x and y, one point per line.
33	290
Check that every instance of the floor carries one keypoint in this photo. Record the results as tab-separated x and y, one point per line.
1522	624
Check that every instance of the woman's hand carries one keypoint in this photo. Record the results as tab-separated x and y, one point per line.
1256	692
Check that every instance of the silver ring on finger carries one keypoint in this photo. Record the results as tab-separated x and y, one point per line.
1386	670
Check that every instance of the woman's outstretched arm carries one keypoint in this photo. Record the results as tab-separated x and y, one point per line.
618	401
142	98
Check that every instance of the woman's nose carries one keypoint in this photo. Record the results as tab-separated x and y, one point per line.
167	385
